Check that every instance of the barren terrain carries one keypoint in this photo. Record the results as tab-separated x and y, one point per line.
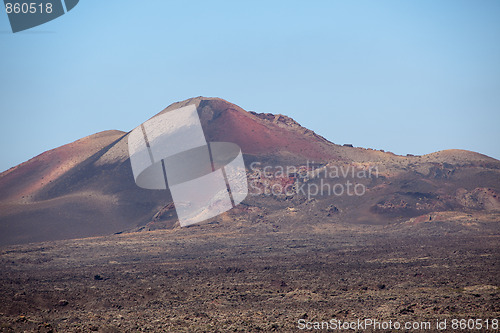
235	277
418	242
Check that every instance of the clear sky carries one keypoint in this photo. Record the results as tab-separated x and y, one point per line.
404	76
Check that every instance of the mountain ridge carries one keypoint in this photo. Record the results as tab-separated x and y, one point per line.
86	188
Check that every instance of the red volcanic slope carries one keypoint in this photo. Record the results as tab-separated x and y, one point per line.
25	179
259	134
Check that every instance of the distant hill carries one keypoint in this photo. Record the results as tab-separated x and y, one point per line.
86	188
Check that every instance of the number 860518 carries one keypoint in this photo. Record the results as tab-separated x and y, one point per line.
28	8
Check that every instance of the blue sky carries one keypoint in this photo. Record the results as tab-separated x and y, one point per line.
404	76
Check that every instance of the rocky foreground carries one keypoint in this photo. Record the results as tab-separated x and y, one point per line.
237	278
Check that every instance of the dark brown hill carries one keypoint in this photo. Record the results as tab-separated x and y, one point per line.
86	188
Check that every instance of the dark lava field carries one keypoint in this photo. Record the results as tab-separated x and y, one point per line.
215	278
